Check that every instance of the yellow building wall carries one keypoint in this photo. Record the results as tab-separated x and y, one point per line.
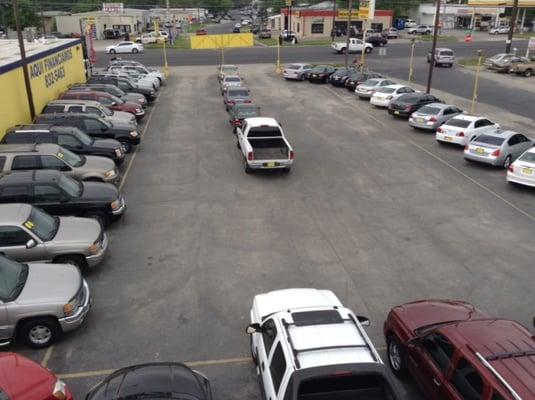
49	76
222	41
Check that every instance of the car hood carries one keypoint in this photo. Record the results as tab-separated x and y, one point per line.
111	144
23	379
130	105
74	230
123	126
99	191
134	98
123	116
50	283
425	312
98	164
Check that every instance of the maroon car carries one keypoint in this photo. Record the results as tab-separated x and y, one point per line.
106	99
455	351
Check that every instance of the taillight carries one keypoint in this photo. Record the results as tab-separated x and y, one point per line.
495	153
440	130
291	154
432	119
250	156
247	101
236	122
460	134
231	102
511	168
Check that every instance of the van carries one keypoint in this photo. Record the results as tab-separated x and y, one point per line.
443	56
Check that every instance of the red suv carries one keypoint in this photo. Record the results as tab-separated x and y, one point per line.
105	99
455	351
23	379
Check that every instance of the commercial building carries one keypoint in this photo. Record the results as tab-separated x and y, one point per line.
319	20
52	67
461	16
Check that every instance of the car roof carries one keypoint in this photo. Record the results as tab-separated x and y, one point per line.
67	115
28	147
30	127
394	86
262	121
74	101
443	48
42	175
501	134
14	213
228	66
468	117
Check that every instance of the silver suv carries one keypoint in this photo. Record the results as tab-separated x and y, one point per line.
51	156
29	234
89	107
33	313
443	56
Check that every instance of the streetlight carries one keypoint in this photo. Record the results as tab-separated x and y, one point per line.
411	61
476	82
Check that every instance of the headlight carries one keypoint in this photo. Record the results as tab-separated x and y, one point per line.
134	134
152	92
115	205
60	390
68	309
110	174
94	248
138	110
118	152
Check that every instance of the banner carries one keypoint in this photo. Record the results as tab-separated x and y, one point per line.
344	14
366	9
116	8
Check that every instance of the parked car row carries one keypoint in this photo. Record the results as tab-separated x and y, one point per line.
58	193
260	139
483	140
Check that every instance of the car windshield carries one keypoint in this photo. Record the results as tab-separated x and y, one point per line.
294	66
458	123
70	186
248	112
341	72
386	90
116	99
528	156
446	53
492	140
84	137
44	225
107	123
318	69
12	278
370	82
232	79
429	110
356	75
115	91
74	160
238	93
106	111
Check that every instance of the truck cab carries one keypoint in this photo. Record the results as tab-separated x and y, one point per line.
307	346
355	46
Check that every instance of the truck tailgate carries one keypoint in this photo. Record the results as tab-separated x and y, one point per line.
269	149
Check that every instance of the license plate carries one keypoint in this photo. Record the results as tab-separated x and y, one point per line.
271	164
420	119
396	112
448	138
479	150
527	171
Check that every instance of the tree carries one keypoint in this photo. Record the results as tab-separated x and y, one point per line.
27	15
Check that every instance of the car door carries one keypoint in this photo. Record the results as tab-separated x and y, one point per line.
94	128
264	351
15	194
13	243
25	162
123	48
53	162
465	383
276	373
429	362
52	199
525	143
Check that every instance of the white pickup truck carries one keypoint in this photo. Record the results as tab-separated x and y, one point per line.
262	142
355	46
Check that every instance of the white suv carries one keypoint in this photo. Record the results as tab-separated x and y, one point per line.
307	345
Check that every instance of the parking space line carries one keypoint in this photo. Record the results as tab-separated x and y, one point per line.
47	356
134	154
102	372
492	192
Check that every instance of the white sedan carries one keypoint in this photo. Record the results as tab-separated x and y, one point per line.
383	96
499	30
522	171
125	47
460	129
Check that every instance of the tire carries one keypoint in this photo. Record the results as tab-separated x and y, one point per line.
248	170
101	218
93	180
135	51
367	50
286	170
507	161
78	261
396	356
302	77
112	51
127	145
39	332
528	72
342	51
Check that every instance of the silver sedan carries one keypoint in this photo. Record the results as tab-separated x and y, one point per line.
431	116
367	88
498	148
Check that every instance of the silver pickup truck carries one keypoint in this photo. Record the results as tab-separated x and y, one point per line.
263	145
30	311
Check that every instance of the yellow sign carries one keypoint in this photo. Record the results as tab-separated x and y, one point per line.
288	3
222	41
344	14
157	27
502	3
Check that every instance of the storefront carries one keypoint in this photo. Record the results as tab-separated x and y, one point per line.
52	67
462	16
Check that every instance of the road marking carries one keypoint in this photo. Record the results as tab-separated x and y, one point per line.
492	192
47	356
134	154
102	372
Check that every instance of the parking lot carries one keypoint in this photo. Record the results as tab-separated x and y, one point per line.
372	209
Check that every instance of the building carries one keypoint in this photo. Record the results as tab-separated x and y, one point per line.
52	67
49	19
318	20
461	16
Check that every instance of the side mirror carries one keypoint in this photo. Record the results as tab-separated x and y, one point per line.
30	244
252	328
364	321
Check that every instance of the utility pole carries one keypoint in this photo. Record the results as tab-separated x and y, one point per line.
434	47
333	33
23	60
350	6
512	25
476	82
411	60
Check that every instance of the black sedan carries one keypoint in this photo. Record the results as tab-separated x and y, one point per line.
320	73
356	78
406	104
377	40
153	381
340	76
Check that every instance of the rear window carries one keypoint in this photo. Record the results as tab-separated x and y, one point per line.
264	131
346	387
386	90
446	53
459	123
294	66
492	140
428	110
232	79
370	82
238	93
529	157
248	112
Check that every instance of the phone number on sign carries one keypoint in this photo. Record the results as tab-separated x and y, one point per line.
54	76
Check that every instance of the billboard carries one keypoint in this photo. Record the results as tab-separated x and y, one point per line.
115	8
502	3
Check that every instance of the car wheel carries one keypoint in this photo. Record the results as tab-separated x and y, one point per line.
135	51
343	51
39	332
78	261
528	72
507	161
286	170
247	168
127	146
302	77
112	51
396	356
367	50
101	218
